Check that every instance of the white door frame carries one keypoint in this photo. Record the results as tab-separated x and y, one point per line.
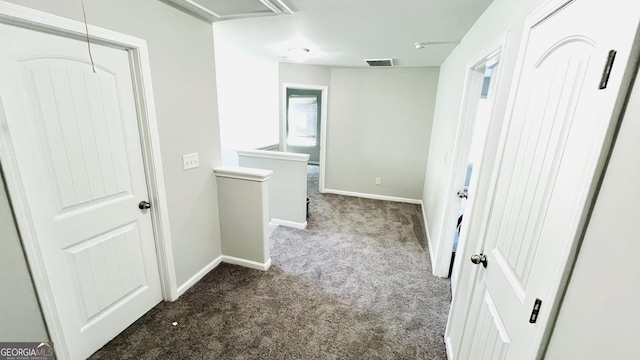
28	18
323	122
473	78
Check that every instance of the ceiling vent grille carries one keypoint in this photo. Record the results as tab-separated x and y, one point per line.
379	62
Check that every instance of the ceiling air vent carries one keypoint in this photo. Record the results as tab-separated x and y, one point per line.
379	62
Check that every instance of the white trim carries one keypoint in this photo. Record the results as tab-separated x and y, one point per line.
449	349
373	196
274	7
544	12
274	155
323	124
33	19
247	263
217	261
154	171
242	173
277	6
427	233
443	246
196	9
287	223
272	147
199	275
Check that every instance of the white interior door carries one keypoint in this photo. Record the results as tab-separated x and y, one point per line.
557	135
76	142
472	151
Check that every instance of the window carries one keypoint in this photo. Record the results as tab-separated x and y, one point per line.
302	117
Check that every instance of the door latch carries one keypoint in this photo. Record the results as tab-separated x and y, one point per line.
535	311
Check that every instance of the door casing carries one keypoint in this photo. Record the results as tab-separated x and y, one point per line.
20	16
441	255
312	151
323	123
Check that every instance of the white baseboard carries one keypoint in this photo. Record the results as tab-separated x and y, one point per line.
373	196
199	275
293	224
449	349
426	231
246	263
220	259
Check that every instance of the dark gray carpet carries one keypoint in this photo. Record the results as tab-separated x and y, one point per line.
387	221
356	285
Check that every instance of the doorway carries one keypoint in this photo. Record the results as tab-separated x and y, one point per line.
479	124
304	110
473	123
303	123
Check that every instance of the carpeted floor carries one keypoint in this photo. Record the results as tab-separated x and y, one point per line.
356	284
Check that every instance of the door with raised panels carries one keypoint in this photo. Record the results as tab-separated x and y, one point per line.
557	129
77	144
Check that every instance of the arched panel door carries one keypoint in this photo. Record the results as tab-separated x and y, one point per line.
557	134
79	157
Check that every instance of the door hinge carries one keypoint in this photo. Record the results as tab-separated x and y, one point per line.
604	80
535	311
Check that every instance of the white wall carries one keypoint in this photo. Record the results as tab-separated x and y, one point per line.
184	86
244	215
303	74
20	316
380	126
500	17
600	315
287	185
247	98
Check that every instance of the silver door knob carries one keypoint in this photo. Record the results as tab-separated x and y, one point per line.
144	205
479	259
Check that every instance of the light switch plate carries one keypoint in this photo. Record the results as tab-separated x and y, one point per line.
190	161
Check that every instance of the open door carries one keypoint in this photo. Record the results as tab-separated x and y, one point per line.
473	124
478	123
573	72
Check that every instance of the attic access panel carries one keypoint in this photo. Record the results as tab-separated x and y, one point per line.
231	7
215	10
